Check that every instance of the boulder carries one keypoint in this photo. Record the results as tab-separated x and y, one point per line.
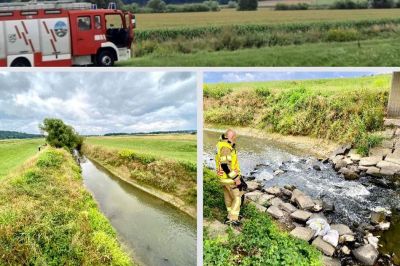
286	192
276	202
301	215
370	161
328	205
340	164
258	206
253	196
342	229
287	207
348	174
366	254
388	168
346	238
253	185
377	217
323	246
318	215
394	157
304	233
328	261
275	212
379	151
374	171
337	158
304	202
264	199
316	167
388	144
295	193
341	150
273	190
354	156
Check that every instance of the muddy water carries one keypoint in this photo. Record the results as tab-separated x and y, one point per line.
353	200
155	232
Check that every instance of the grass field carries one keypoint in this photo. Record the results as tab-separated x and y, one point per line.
14	152
261	16
178	147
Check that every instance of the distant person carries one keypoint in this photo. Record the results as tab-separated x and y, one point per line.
228	171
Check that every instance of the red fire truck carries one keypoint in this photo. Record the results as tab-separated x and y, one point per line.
64	34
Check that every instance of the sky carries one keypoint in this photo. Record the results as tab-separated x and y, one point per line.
249	76
99	102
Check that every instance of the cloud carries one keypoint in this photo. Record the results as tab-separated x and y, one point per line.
99	102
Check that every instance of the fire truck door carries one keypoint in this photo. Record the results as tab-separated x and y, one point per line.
22	36
83	41
2	42
55	39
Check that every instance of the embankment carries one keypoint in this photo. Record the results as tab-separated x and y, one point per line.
48	218
170	180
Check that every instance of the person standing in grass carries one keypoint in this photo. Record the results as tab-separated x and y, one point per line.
228	171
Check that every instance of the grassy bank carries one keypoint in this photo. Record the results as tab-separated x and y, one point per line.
260	241
14	152
342	110
170	179
48	218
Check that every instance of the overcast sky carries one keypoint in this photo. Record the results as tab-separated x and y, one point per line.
99	102
250	76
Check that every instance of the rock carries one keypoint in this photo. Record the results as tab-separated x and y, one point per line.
316	167
379	151
253	196
304	233
374	171
394	157
317	205
345	250
383	226
366	254
332	237
370	161
328	261
278	172
342	229
289	208
264	199
346	238
373	240
216	228
377	217
323	246
354	156
318	215
258	206
340	164
388	168
290	187
337	158
341	150
253	185
388	144
348	174
328	205
304	202
286	192
273	190
276	202
275	212
301	215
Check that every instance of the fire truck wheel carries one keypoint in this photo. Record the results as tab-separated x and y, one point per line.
21	62
105	58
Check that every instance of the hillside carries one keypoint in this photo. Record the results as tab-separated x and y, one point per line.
17	135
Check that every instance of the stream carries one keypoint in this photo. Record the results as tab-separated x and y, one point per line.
156	233
353	200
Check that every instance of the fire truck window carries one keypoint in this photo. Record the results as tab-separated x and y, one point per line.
114	22
84	23
97	22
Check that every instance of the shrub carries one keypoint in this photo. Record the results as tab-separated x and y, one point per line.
247	5
157	6
382	3
299	6
232	4
213	5
342	35
349	4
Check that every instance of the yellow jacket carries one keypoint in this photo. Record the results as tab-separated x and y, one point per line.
229	158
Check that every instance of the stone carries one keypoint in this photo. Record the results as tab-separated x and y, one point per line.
286	192
391	122
253	196
387	134
264	199
276	202
379	151
346	238
370	161
388	144
373	240
304	233
388	168
295	193
340	164
354	156
273	190
348	174
316	167
345	250
328	205
374	171
366	254
290	187
377	217
342	229
318	215
337	158
341	150
253	185
301	215
304	202
278	172
258	206
383	226
216	228
275	212
323	246
394	157
328	261
287	207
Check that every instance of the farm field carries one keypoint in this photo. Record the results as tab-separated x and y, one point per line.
14	152
381	52
261	16
178	147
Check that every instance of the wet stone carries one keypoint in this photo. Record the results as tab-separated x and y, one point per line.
304	202
275	212
301	215
377	217
374	171
340	164
348	174
366	254
304	233
323	246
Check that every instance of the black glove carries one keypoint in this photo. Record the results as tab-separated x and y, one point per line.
243	185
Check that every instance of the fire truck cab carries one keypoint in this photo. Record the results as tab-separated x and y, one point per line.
63	34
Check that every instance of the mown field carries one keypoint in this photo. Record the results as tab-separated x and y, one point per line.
342	110
178	147
14	152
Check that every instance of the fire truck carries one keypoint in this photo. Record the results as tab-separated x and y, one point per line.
60	33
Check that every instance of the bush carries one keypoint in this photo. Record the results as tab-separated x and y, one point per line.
213	5
342	35
157	6
299	6
232	4
382	3
247	5
349	4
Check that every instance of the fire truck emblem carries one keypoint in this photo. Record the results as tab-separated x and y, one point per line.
12	38
61	29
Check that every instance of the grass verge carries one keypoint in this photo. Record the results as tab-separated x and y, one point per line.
48	218
260	241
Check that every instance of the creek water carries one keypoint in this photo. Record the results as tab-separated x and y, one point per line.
353	200
155	232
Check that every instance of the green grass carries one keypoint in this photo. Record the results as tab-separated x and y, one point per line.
260	242
177	147
377	52
48	218
342	110
14	152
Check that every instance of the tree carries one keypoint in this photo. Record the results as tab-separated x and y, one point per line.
157	5
247	5
60	135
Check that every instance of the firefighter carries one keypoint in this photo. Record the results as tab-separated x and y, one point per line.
228	171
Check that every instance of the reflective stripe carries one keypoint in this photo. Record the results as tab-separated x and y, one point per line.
234	212
232	174
224	159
